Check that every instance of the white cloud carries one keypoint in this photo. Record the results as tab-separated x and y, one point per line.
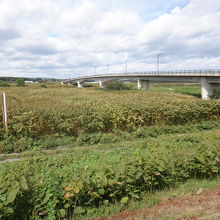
119	22
83	34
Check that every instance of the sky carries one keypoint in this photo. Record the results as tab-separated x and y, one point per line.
68	38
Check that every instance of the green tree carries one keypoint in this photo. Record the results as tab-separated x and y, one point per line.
20	82
115	85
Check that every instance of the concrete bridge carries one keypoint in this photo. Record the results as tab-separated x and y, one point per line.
208	79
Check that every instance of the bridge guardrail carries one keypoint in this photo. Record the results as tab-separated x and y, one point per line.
201	72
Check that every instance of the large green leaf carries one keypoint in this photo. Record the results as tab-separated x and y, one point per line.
12	195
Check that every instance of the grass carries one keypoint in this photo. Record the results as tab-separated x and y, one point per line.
193	90
150	199
94	149
118	139
59	96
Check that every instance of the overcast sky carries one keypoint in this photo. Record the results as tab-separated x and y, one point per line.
66	38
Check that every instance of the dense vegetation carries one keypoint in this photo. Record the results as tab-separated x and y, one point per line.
115	85
144	141
40	80
35	112
76	183
4	84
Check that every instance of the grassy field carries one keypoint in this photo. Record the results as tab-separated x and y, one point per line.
193	89
72	153
37	114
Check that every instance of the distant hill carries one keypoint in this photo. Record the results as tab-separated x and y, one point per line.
13	79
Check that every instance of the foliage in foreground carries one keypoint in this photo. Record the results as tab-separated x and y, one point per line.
72	185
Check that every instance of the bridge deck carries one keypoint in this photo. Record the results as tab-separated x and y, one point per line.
177	73
207	78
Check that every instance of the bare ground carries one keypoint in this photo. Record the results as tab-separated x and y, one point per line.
206	205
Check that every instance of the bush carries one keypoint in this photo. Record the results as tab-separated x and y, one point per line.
43	86
216	93
11	145
20	82
97	138
4	84
115	85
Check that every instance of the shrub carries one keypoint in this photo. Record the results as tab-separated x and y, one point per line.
97	138
115	85
20	82
216	92
43	86
4	84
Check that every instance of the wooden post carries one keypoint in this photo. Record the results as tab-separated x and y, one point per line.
4	107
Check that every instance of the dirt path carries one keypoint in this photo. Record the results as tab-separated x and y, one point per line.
203	206
54	152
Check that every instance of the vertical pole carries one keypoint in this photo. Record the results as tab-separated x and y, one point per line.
158	57
107	69
158	61
5	121
126	63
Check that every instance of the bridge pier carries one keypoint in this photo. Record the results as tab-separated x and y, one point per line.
101	84
79	84
206	89
143	84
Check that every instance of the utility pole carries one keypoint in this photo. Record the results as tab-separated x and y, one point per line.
158	61
4	108
126	63
107	69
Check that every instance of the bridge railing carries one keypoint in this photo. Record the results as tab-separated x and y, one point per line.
208	71
197	72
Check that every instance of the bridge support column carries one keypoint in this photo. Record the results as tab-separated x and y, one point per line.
143	84
206	89
79	84
139	83
101	84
